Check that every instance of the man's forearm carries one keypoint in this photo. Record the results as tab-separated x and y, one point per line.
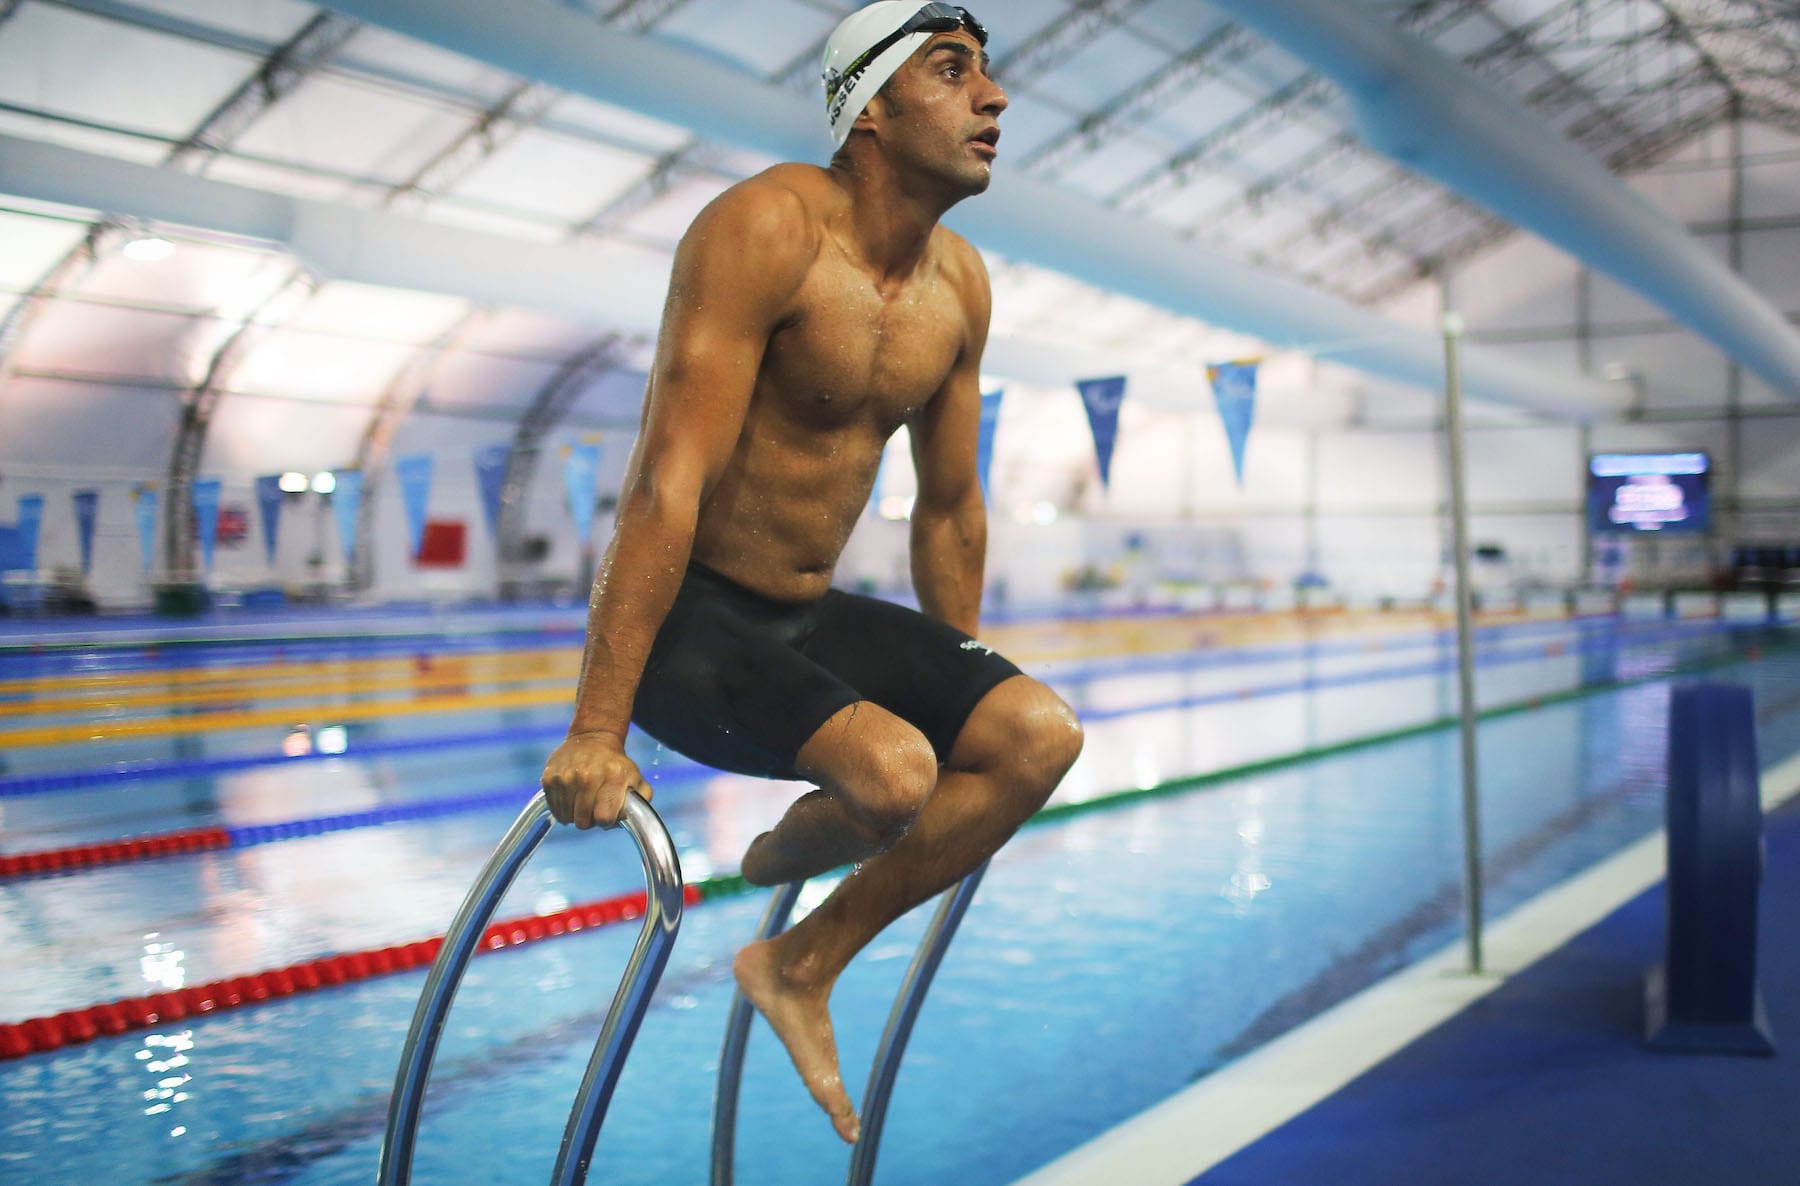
948	553
632	593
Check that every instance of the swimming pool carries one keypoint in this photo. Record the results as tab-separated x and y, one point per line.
1110	957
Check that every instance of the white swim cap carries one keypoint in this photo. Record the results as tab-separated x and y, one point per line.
870	44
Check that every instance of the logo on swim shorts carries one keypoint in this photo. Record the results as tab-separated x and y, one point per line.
972	645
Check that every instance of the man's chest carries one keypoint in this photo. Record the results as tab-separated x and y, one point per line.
853	351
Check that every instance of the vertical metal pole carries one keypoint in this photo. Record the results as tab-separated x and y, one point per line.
1465	659
737	1036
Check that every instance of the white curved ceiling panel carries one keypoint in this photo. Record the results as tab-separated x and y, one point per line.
318	367
73	64
395	135
345	309
275	20
554	176
196	276
619	125
60	423
525	334
670	214
750	35
377	51
139	345
144	150
468	380
32	247
286	179
262	436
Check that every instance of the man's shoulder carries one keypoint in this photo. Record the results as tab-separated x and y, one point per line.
790	197
960	261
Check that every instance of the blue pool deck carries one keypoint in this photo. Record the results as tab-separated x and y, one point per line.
1535	1072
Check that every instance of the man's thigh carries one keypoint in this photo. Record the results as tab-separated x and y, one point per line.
925	672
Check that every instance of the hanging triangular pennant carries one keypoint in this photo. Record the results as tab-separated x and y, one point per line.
1234	390
206	517
415	494
581	470
346	504
984	442
1101	398
143	499
490	479
31	517
268	500
87	511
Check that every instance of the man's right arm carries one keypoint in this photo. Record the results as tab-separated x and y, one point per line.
734	279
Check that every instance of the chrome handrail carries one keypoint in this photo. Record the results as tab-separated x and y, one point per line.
737	1035
900	1023
662	919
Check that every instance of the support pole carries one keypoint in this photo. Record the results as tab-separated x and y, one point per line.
1465	651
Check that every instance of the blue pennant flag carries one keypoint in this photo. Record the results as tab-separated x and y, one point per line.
31	517
1101	398
143	498
268	500
87	511
415	493
346	504
984	442
581	469
1234	389
206	517
490	477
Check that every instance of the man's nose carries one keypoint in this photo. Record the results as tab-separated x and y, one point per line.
993	101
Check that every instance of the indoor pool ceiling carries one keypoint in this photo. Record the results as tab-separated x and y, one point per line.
1161	112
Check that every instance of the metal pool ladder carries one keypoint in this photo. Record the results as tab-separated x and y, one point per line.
873	1113
662	918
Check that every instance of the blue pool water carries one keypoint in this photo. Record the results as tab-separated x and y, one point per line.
1108	960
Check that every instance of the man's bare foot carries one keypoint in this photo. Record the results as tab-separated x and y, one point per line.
801	1020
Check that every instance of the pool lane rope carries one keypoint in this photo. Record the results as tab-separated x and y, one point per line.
76	1026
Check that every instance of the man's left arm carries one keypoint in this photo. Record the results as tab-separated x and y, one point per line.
949	521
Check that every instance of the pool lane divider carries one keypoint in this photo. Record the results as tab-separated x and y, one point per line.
76	1026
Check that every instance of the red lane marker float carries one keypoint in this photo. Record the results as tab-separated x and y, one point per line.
112	852
75	1026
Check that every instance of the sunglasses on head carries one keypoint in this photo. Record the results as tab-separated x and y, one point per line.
932	18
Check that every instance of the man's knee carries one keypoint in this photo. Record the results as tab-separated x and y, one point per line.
883	767
1025	727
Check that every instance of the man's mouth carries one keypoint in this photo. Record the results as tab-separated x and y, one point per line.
988	140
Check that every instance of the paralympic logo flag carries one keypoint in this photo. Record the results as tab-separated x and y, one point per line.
31	517
1234	389
1101	398
268	501
205	495
415	494
143	498
346	505
87	512
984	442
581	470
490	476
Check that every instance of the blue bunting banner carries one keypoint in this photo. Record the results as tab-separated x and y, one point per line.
1101	398
581	469
87	511
1234	389
268	500
31	517
415	492
346	504
984	442
206	517
490	478
143	498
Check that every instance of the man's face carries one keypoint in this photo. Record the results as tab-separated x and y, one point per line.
940	112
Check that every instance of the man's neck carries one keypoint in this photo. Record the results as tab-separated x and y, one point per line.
890	221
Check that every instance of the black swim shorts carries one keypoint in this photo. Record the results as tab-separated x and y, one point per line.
740	682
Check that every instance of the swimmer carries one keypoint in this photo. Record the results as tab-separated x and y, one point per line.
812	312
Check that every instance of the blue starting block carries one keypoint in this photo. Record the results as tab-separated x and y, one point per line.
1704	997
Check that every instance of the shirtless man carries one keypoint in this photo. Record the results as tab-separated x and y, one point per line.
810	314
